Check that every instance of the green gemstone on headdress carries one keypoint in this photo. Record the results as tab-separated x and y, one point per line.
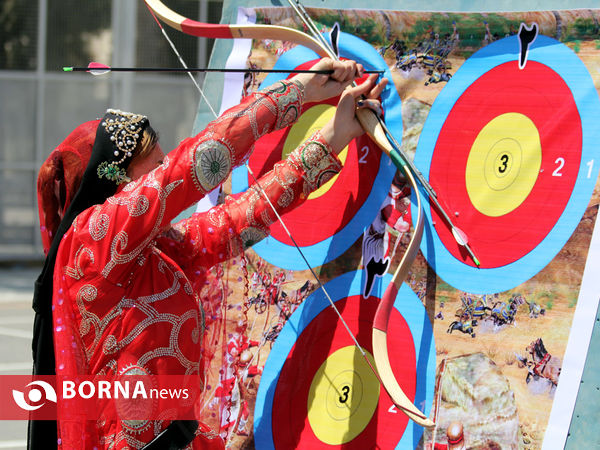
112	172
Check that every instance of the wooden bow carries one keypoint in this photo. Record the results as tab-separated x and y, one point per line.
225	31
374	127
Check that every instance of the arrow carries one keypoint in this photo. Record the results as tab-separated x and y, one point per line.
100	69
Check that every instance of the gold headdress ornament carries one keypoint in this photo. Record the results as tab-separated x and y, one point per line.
124	130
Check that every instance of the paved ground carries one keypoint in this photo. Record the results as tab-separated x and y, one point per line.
16	322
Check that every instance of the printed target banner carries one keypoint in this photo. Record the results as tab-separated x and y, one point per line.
499	113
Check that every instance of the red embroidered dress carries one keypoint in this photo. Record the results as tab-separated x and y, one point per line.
125	282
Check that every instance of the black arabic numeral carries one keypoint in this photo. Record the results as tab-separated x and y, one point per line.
346	391
504	166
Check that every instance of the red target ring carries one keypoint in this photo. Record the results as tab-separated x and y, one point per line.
317	390
536	92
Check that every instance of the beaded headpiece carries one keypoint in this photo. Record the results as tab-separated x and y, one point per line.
124	130
113	140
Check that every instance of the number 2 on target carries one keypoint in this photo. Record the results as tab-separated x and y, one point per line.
560	162
364	152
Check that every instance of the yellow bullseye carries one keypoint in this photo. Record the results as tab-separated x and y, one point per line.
503	164
343	396
312	120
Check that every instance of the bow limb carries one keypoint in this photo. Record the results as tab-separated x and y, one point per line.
382	315
374	127
225	31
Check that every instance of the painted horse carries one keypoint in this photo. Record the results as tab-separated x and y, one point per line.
465	326
535	310
544	364
503	313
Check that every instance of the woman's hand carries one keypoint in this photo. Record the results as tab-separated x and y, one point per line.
344	126
319	87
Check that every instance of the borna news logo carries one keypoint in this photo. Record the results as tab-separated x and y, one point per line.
135	397
34	396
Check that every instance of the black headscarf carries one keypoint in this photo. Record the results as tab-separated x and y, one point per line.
116	139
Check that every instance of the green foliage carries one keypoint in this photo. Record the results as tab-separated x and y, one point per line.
443	298
547	294
329	19
583	28
550	296
586	27
437	23
443	286
471	29
367	30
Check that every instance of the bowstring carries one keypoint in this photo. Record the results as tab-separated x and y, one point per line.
310	24
179	57
278	216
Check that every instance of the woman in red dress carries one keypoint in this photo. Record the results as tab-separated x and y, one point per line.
119	293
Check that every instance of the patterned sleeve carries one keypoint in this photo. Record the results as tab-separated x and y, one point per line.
229	140
121	229
208	238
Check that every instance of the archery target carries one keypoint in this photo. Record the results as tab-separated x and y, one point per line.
335	216
317	390
510	154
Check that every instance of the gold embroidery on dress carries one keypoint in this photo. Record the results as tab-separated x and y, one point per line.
318	162
99	223
251	235
119	243
77	272
266	218
212	162
137	205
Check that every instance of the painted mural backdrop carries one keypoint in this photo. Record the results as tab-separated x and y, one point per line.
500	113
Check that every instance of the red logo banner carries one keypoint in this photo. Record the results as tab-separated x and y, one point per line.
130	397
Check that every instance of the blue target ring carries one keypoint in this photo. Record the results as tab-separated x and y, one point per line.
310	315
558	61
331	243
